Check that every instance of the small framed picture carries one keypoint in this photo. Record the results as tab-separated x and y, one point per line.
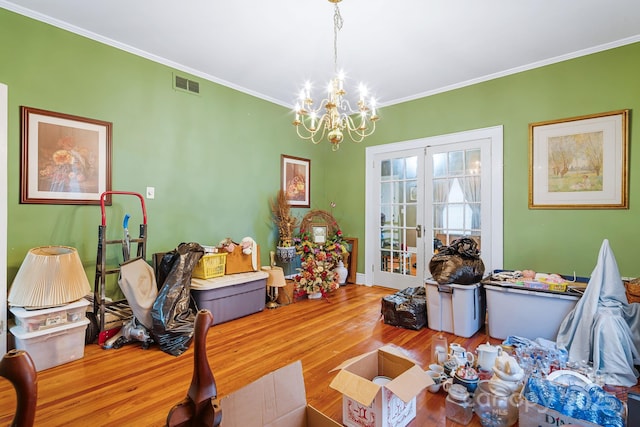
319	233
296	180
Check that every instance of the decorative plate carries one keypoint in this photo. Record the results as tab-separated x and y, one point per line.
567	377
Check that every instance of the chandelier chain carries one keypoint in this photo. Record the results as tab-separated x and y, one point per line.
337	26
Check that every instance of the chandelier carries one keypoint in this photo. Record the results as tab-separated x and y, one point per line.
338	118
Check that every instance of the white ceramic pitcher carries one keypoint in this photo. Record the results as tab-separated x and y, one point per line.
487	355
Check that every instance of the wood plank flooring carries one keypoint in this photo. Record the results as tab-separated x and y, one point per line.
131	386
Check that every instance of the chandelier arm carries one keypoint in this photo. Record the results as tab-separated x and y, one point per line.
346	107
319	132
358	133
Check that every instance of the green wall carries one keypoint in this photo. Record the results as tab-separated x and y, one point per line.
214	158
561	241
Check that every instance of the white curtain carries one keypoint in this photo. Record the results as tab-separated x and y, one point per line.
471	189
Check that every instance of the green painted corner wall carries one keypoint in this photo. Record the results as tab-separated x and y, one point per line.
214	158
561	241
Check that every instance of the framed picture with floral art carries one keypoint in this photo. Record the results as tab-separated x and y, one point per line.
65	159
295	180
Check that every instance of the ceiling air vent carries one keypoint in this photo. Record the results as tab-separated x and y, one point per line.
182	83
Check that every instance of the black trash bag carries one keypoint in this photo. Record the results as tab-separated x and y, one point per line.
172	313
458	263
406	308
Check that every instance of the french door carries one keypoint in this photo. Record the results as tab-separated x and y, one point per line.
429	192
399	181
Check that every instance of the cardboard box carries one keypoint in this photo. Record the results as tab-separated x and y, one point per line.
237	262
532	414
276	400
367	404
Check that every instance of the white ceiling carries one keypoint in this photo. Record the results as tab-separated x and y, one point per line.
402	49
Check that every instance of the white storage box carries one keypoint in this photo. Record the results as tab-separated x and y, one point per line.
35	320
54	346
453	308
526	313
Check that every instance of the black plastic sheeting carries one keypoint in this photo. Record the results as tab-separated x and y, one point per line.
458	263
406	308
172	313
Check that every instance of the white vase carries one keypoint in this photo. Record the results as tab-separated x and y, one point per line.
314	295
342	273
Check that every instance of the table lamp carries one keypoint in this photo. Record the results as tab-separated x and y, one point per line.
50	276
275	280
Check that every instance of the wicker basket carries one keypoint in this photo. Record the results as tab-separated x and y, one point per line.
633	290
210	266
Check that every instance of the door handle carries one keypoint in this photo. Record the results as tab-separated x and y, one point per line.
419	230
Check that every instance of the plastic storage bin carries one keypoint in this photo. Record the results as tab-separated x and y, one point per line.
231	296
54	346
35	320
457	309
526	313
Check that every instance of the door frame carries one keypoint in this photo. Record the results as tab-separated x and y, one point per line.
494	133
4	201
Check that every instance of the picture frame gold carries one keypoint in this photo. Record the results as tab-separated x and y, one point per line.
295	180
319	233
580	162
65	159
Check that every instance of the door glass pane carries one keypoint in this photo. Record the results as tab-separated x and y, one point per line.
412	167
398	168
473	162
456	163
385	170
439	165
386	193
400	193
411	219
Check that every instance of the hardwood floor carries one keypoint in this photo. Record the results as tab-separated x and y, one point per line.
131	386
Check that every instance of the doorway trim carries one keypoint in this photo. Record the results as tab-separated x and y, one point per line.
4	201
494	133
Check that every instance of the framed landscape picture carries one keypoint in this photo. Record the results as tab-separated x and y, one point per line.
580	162
65	159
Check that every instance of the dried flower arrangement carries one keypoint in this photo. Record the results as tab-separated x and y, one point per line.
284	220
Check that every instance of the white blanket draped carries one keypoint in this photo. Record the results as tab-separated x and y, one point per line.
603	327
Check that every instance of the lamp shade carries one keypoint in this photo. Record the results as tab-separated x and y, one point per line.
49	276
276	277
